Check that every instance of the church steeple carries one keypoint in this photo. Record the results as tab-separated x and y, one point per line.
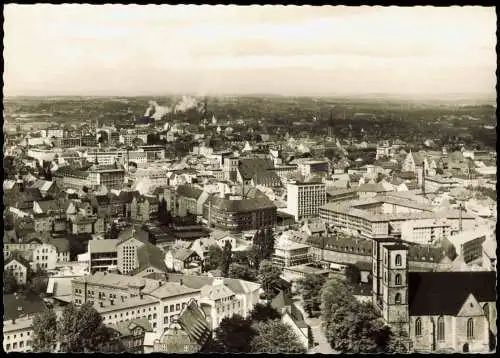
395	285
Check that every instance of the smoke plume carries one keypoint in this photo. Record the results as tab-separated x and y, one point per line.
187	103
156	111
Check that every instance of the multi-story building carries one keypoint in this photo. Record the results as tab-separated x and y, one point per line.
219	302
82	224
48	255
18	267
335	195
103	255
289	253
19	310
55	132
235	213
285	171
41	155
121	298
185	199
111	176
69	178
154	152
144	208
127	252
246	292
314	167
68	142
230	168
382	216
305	199
425	231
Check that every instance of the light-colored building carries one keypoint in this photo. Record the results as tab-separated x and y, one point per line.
111	176
289	253
19	269
47	255
425	231
305	199
120	298
219	302
127	253
103	254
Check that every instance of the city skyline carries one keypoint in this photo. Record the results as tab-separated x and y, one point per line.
123	50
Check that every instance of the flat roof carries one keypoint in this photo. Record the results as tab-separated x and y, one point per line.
307	269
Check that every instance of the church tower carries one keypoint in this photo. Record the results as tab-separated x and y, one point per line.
395	286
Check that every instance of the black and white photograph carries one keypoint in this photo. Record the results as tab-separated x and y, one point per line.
234	179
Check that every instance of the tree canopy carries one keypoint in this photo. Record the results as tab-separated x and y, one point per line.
263	312
354	327
234	334
353	274
242	272
274	336
44	331
310	287
226	259
213	258
81	329
269	277
10	284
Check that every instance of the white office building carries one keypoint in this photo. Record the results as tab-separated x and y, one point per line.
305	199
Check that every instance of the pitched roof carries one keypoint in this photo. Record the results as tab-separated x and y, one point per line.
9	184
244	205
282	300
51	205
182	253
444	293
192	320
18	305
260	170
235	285
126	197
316	226
126	328
61	244
17	256
377	188
149	255
216	292
9	236
297	316
189	191
133	232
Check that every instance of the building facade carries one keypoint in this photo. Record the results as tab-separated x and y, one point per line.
305	199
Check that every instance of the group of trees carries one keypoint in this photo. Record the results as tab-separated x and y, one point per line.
244	265
261	332
310	288
354	327
269	278
10	284
79	329
263	246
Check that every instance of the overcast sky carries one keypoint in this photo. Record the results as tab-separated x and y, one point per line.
136	50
